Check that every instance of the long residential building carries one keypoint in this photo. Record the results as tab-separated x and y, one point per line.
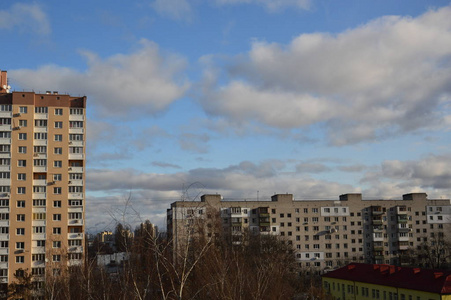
324	233
387	282
42	190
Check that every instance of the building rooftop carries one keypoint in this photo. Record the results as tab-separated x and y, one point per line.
427	280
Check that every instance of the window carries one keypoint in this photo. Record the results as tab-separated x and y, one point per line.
40	135
39	202
75	216
21	176
39	216
20	245
5	134
39	189
4	202
4	244
22	123
56	217
57	177
21	190
76	111
76	150
56	230
5	121
20	231
22	163
56	258
58	111
58	137
58	150
22	136
79	189
20	259
56	244
40	149
5	107
39	162
58	124
57	203
22	149
41	110
40	123
57	190
57	163
5	148
314	210
23	109
40	243
38	257
76	124
38	229
80	203
74	242
5	175
75	137
21	203
3	217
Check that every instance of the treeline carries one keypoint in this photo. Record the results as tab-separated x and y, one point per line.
216	267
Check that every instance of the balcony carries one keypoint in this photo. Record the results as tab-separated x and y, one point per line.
41	182
76	156
76	117
39	195
5	168
76	130
401	210
74	262
76	249
76	143
376	221
236	221
5	127
80	209
403	247
403	227
75	222
378	248
4	251
378	229
402	238
76	196
38	236
40	129
39	169
4	237
402	219
75	169
77	235
376	210
38	250
378	237
39	209
40	142
5	154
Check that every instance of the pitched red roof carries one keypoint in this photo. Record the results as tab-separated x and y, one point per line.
434	281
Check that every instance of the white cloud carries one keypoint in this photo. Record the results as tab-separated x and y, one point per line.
143	82
270	5
384	78
174	9
25	17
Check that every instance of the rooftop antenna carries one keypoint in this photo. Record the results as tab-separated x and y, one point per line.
257	195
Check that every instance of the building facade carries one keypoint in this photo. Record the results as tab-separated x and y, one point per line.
387	282
42	190
325	234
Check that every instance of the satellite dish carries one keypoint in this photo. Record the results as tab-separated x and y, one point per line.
46	260
4	86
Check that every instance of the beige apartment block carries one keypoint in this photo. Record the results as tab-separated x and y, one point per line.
324	233
42	190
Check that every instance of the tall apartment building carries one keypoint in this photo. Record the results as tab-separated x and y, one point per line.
42	171
324	233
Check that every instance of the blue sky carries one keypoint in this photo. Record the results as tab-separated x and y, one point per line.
243	97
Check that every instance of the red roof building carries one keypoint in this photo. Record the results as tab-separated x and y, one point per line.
387	282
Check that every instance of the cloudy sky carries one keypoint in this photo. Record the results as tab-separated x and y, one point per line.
245	98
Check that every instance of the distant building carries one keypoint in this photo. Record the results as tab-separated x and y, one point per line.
387	282
325	234
42	181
